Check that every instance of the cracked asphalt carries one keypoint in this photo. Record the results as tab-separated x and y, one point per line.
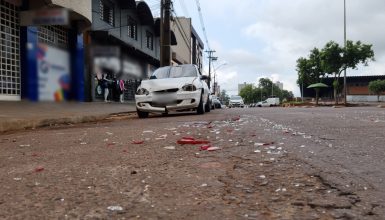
265	163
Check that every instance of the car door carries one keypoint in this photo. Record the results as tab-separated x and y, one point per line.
206	91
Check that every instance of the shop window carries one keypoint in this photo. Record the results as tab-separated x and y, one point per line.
53	35
107	11
9	50
149	40
132	29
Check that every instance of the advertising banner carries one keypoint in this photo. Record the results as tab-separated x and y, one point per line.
53	73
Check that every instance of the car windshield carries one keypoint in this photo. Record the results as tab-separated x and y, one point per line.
174	72
236	97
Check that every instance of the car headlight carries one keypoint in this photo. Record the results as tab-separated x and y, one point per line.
142	91
189	87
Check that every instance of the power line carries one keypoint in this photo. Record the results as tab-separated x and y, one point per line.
202	23
184	8
181	30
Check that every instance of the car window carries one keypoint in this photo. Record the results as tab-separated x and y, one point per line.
174	72
183	71
161	73
236	97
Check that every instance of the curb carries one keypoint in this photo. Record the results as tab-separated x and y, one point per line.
25	124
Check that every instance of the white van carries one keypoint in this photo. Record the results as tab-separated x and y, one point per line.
269	102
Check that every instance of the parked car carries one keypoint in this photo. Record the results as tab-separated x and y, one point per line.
173	88
216	103
269	102
236	101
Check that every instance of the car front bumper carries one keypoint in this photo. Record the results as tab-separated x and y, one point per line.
185	101
236	104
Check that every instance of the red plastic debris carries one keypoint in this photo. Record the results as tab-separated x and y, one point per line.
124	151
137	142
237	118
188	138
205	147
34	155
110	144
209	126
39	169
189	141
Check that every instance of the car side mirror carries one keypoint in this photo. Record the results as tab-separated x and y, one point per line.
204	77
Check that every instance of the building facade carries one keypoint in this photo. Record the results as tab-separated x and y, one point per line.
279	85
241	86
189	49
124	47
357	86
42	49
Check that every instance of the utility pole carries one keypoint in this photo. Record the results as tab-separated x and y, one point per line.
165	33
345	85
211	58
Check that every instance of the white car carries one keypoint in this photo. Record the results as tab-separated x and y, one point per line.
236	101
269	102
173	88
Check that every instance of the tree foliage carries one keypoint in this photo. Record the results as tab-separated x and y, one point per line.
224	97
310	69
377	87
333	59
266	88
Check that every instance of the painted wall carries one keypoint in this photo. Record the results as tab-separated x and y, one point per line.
182	31
82	7
120	29
364	98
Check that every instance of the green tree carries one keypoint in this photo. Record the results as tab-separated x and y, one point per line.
336	59
265	89
377	87
310	70
224	98
247	94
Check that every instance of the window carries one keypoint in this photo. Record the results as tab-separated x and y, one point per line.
106	11
149	40
9	50
132	29
54	35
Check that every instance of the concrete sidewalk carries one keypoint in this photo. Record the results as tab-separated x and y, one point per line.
24	114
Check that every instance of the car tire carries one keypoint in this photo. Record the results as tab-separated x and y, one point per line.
201	107
142	114
208	105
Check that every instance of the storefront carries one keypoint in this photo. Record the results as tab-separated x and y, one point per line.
42	56
10	52
116	74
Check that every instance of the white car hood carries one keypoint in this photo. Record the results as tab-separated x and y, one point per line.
164	84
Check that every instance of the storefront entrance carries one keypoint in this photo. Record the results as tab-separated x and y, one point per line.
10	52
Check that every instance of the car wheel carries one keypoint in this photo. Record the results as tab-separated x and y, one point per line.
201	107
142	114
208	105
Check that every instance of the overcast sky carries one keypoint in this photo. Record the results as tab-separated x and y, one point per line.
264	38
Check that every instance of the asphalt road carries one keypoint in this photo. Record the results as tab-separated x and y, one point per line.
268	163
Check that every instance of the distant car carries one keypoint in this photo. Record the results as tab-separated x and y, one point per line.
269	102
236	101
173	88
216	103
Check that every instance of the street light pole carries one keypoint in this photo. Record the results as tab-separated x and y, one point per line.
215	74
345	85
